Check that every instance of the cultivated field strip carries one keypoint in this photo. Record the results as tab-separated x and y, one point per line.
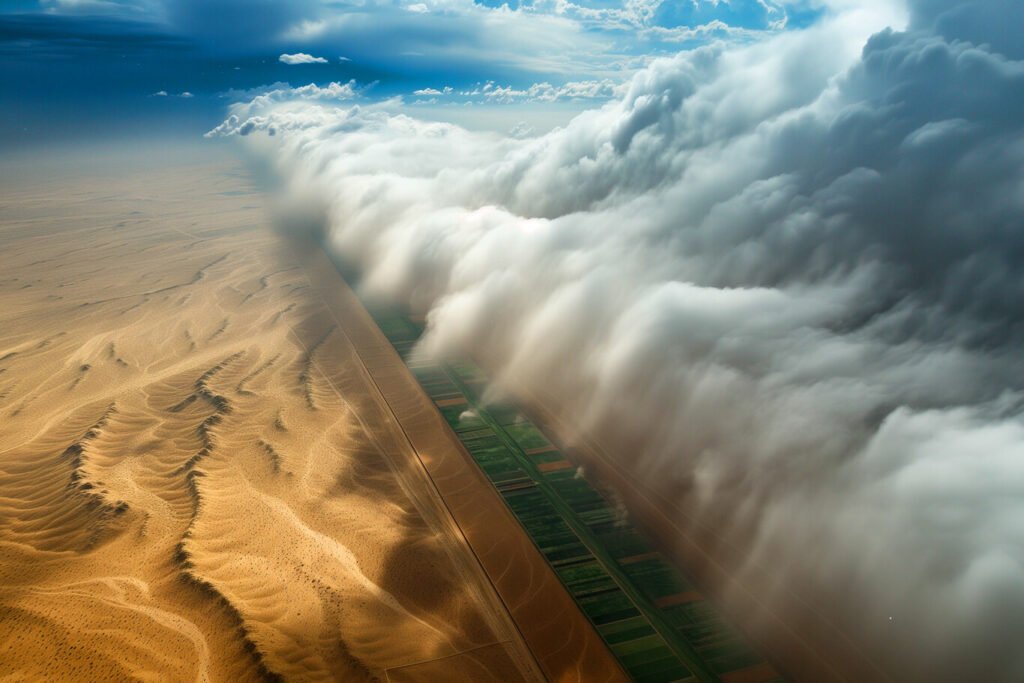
562	640
659	626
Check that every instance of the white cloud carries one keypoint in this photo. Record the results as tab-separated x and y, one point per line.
301	58
521	130
452	33
186	95
545	92
427	92
254	115
115	7
632	14
159	93
680	34
781	281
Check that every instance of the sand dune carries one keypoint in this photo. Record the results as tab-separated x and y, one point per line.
194	482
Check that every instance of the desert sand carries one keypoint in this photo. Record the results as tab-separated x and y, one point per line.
201	480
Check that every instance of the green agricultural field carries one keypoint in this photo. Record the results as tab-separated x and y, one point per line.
656	623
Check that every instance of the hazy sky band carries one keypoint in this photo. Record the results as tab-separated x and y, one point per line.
85	68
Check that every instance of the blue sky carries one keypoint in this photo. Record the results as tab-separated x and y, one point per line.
99	68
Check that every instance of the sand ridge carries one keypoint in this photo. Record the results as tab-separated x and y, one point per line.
195	481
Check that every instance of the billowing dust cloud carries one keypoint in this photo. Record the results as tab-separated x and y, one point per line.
784	281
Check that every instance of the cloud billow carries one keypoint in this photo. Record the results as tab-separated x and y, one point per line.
301	58
781	281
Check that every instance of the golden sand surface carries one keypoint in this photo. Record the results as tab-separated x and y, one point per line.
199	479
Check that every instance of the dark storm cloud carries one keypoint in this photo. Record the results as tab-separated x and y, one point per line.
994	23
780	277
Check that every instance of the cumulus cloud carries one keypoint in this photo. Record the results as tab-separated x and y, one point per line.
301	58
433	92
781	282
646	18
279	99
716	28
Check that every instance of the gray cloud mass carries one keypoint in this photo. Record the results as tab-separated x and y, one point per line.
783	282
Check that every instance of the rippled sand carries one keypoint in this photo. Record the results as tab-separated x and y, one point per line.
196	479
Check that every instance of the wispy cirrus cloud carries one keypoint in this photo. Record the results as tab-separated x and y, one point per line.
492	93
545	92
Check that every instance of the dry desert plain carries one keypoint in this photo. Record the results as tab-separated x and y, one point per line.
214	468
